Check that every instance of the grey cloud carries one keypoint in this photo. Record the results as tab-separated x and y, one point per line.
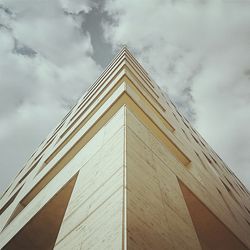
46	63
102	50
199	53
21	133
23	49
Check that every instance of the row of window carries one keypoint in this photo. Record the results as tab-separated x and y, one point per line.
213	163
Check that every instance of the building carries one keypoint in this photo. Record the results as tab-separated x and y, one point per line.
125	170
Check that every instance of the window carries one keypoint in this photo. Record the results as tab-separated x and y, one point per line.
195	139
201	160
230	193
175	117
231	185
27	173
7	204
207	158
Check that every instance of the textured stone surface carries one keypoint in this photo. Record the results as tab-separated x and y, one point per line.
145	178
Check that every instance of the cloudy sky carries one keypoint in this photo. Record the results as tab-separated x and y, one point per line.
198	51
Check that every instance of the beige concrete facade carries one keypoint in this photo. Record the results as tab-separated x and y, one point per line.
125	170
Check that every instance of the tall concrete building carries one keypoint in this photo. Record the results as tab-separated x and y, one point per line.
125	170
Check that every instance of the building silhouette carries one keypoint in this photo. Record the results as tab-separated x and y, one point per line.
125	170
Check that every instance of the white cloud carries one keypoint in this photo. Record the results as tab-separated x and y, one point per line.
196	50
45	65
76	6
199	52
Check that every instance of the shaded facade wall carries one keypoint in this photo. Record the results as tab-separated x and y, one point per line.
158	201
